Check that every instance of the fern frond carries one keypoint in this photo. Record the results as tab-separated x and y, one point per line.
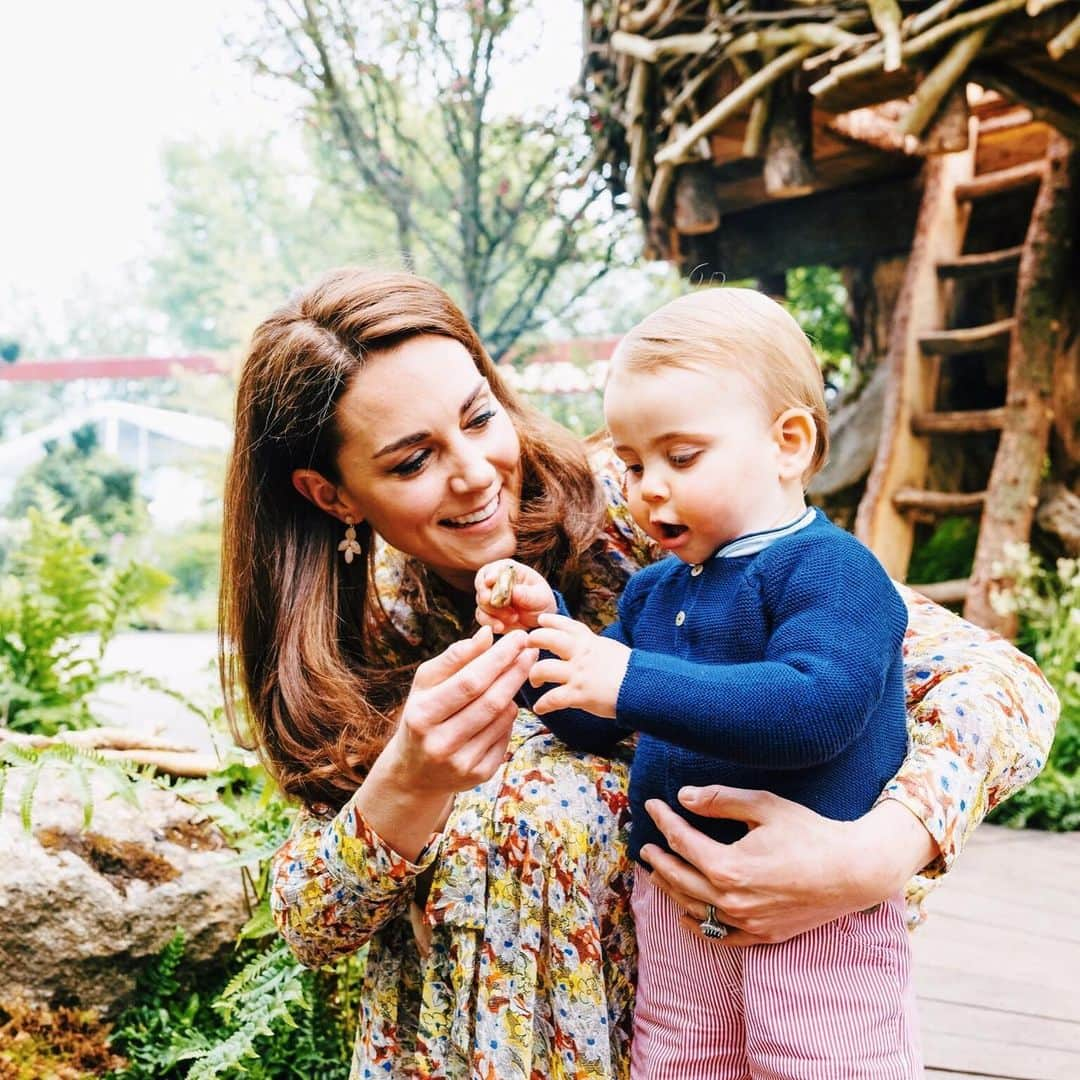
26	802
277	954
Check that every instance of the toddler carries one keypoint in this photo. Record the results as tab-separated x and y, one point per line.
766	654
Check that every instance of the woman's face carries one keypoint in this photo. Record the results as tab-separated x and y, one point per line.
430	459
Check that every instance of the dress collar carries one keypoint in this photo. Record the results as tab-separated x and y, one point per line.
752	543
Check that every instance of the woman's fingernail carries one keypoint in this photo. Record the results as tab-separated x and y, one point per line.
689	792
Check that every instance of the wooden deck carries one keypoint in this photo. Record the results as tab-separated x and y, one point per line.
998	961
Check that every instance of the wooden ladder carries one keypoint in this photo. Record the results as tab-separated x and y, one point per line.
896	498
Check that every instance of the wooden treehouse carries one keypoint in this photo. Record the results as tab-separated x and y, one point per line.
928	151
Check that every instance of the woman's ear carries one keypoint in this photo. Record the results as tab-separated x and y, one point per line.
796	438
325	495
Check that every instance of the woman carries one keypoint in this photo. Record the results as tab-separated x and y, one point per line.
379	461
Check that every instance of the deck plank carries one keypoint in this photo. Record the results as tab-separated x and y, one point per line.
997	965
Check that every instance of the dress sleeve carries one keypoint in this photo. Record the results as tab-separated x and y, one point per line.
981	719
335	882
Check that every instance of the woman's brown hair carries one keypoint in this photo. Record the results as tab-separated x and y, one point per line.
296	622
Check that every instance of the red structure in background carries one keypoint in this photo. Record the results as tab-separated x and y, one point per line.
106	367
577	350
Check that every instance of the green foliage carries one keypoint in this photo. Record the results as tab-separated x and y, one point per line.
79	762
1048	604
817	298
271	1018
59	608
191	555
947	554
88	483
263	1016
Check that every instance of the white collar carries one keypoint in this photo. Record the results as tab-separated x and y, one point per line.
752	543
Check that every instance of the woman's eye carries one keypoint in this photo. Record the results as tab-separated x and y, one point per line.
481	419
634	470
411	464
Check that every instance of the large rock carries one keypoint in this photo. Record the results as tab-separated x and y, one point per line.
82	910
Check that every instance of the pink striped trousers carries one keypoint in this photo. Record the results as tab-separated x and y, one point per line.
835	1003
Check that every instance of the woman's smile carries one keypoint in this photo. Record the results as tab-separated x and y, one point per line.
477	517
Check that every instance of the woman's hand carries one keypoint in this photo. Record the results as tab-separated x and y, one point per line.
794	869
452	735
525	596
589	670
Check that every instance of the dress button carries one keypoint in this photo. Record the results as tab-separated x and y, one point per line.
680	618
695	570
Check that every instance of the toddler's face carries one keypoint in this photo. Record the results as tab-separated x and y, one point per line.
702	455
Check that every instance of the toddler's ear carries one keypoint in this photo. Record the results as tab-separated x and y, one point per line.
796	438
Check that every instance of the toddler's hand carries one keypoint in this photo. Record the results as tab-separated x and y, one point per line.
589	673
511	595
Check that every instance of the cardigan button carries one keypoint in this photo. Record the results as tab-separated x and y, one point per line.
680	618
695	570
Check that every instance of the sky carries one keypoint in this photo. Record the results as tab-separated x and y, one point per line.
90	93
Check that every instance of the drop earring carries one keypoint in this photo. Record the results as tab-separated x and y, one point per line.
350	545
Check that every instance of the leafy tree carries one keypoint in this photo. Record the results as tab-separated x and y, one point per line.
816	297
87	482
506	213
242	225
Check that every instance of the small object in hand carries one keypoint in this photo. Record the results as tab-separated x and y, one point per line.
711	927
503	589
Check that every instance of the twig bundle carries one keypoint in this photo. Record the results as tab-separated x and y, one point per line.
665	75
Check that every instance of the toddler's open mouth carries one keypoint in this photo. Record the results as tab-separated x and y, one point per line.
671	531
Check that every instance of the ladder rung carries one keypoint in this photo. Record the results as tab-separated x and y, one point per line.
958	423
1014	118
973	266
944	592
967	340
994	183
939	502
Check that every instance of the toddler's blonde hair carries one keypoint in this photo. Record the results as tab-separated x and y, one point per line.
740	330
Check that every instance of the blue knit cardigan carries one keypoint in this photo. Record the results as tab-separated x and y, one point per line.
780	669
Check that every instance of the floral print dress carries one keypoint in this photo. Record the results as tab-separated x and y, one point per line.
530	971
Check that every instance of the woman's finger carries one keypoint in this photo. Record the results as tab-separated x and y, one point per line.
452	659
491	754
736	804
694	846
471	723
676	877
475	677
